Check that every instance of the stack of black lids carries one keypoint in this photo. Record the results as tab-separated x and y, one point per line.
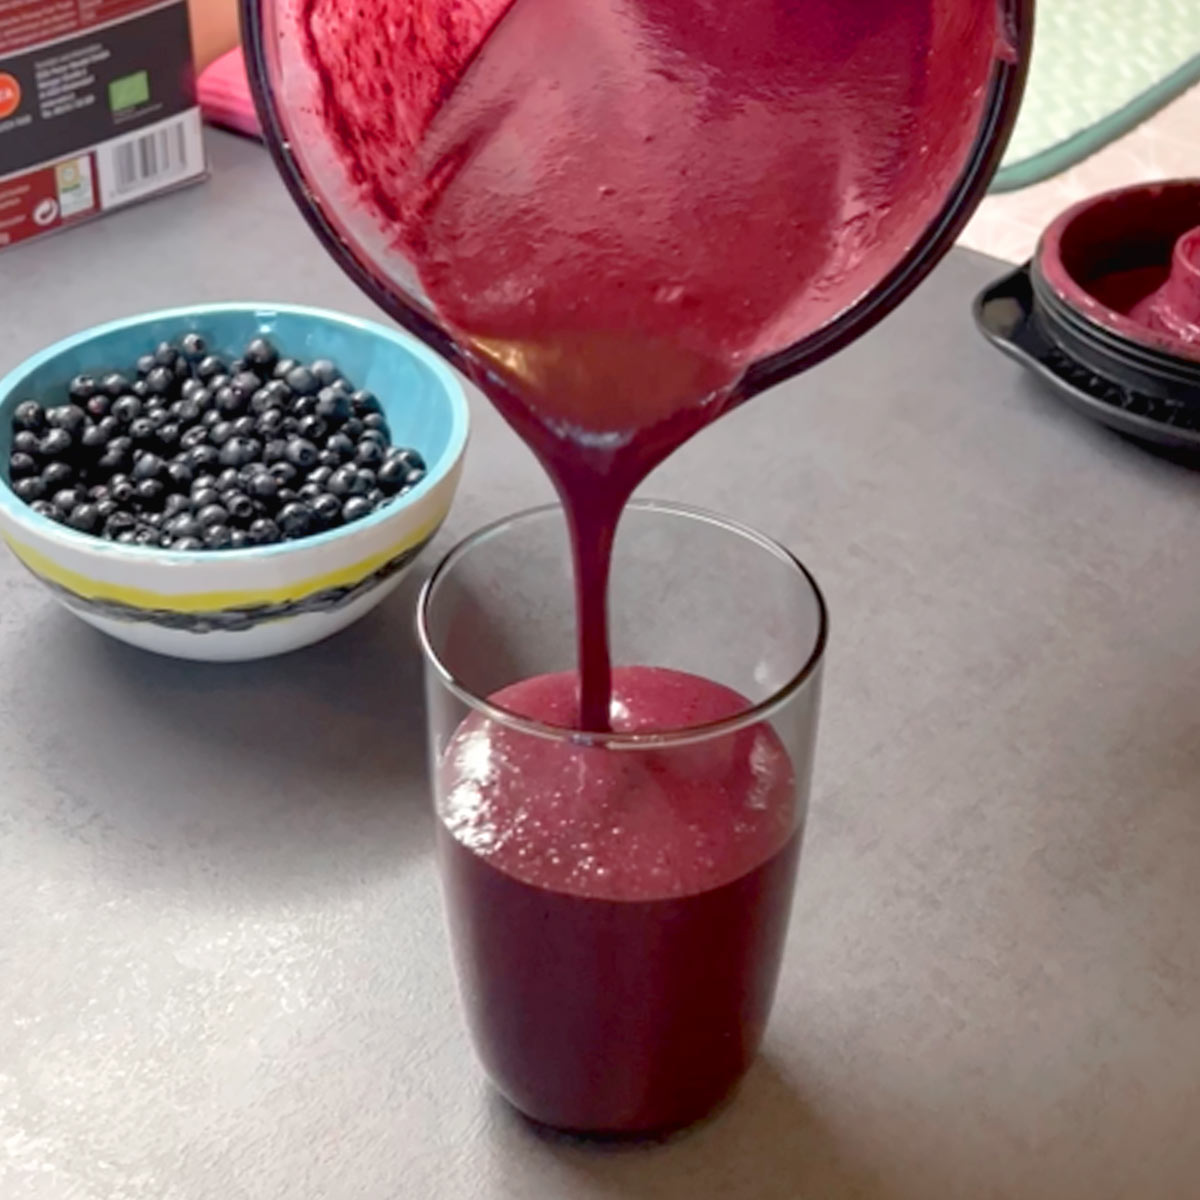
1108	311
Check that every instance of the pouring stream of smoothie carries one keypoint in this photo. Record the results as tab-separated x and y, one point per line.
617	206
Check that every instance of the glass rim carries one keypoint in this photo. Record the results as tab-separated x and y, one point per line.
685	735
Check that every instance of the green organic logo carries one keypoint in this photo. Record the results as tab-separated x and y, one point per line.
129	91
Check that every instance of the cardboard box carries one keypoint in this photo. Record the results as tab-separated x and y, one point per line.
97	109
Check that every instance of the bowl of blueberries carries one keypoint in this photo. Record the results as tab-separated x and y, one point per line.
228	482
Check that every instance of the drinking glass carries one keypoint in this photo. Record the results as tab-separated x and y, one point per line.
617	960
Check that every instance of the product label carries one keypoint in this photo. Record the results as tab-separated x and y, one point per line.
97	108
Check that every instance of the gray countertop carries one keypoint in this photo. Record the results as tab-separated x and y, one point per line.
221	952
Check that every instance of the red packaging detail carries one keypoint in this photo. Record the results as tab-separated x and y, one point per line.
25	23
46	198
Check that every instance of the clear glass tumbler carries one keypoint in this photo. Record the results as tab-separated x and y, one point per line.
618	902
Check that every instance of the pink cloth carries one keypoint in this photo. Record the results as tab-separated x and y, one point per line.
224	92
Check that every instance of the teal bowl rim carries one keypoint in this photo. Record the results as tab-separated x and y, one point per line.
452	391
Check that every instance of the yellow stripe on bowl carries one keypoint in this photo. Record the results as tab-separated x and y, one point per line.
201	602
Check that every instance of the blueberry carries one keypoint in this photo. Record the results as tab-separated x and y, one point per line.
120	488
269	423
205	497
184	525
211	418
82	388
296	519
354	428
239	451
262	486
55	444
220	433
328	508
193	345
66	499
364	481
244	427
377	498
283	368
212	515
228	479
291	426
94	441
30	416
285	474
98	407
230	401
109	426
30	489
165	354
20	466
202	458
246	382
174	504
363	402
332	405
120	522
85	518
324	371
145	364
342	446
303	382
217	537
328	459
187	543
313	429
286	495
263	532
261	354
209	368
168	437
142	432
310	491
106	507
369	454
191	388
410	458
391	475
44	508
185	412
140	389
148	466
115	384
414	477
356	508
341	482
112	461
150	492
26	442
302	454
266	400
179	475
57	475
127	409
374	436
239	506
158	415
161	381
275	452
377	422
196	436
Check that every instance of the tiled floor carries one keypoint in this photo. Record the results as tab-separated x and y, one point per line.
1165	147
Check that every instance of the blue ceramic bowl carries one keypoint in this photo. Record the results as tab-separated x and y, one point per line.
243	604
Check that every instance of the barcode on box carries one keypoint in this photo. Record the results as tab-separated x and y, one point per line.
149	160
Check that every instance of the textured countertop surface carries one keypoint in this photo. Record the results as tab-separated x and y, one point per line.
222	967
